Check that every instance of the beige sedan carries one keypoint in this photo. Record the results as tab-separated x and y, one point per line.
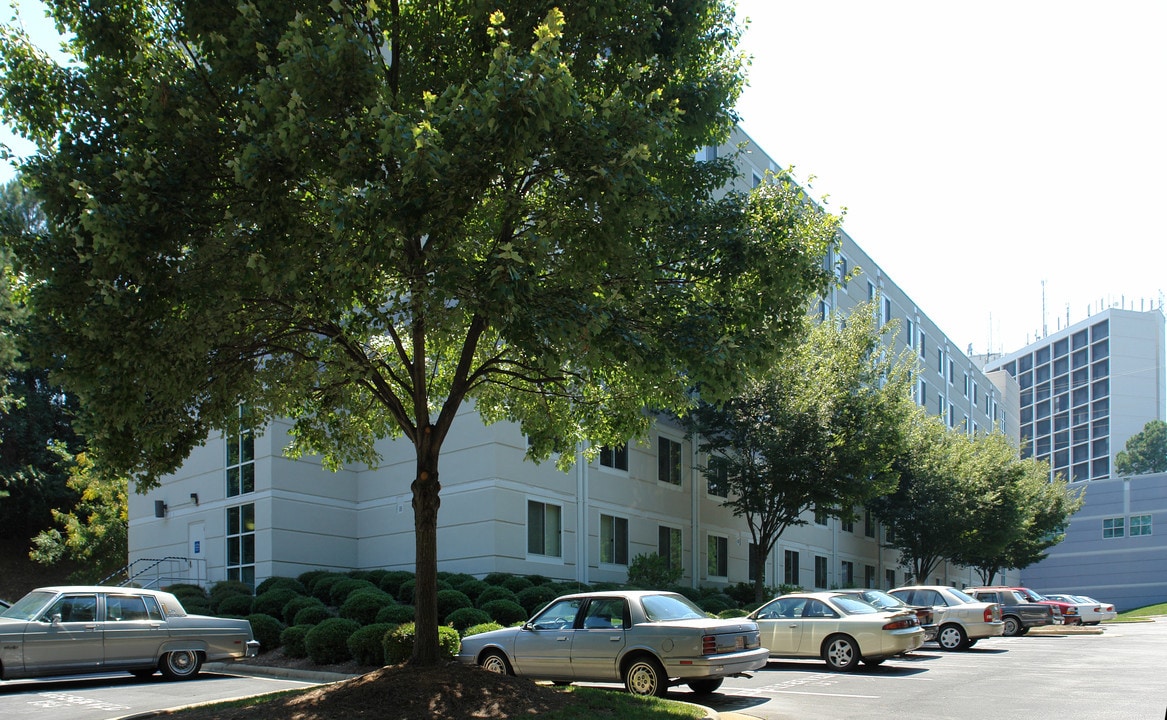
839	628
89	629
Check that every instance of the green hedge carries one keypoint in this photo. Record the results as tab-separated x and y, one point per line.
463	618
399	642
395	614
266	630
295	605
327	642
363	605
367	645
505	612
292	640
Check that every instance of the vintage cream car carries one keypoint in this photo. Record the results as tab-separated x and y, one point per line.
89	629
649	640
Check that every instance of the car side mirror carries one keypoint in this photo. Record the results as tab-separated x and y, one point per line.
55	619
528	626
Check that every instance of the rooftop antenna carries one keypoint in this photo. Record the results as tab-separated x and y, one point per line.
1044	327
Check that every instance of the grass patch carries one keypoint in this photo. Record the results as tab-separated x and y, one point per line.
1142	613
596	703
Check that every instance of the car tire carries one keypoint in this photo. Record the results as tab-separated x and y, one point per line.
645	676
181	664
841	653
1023	631
952	637
495	662
1012	626
704	687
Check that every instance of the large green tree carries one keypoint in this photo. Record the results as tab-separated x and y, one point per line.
1145	451
361	215
819	429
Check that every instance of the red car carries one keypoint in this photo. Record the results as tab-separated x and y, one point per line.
1070	614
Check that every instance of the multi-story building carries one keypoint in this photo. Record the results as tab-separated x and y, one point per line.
239	509
1084	391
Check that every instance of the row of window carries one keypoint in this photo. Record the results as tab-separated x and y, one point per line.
1117	527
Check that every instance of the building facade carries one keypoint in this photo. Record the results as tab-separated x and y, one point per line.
239	509
1084	391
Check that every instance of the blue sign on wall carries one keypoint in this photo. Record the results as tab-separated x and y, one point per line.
196	547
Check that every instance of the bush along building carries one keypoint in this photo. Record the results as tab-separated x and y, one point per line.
238	509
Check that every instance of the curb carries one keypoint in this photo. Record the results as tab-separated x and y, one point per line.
315	676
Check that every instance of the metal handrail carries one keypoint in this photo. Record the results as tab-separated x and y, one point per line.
130	575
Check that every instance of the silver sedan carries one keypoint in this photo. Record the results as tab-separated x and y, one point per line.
72	630
648	640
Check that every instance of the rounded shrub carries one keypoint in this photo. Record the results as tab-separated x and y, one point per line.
391	581
399	642
404	592
196	605
281	582
185	590
266	629
312	615
374	576
535	597
455	579
481	628
517	583
327	642
341	590
505	612
495	592
367	645
363	605
396	614
225	589
472	588
451	600
732	613
496	578
295	605
309	577
716	603
539	579
463	618
234	605
292	640
322	586
273	601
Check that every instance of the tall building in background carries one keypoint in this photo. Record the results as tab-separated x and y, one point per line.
1084	391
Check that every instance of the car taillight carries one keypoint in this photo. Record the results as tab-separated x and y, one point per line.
709	645
992	613
1070	611
902	624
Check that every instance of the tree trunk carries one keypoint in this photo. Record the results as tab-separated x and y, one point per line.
425	524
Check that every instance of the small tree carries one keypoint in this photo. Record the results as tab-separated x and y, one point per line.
1145	451
650	570
819	430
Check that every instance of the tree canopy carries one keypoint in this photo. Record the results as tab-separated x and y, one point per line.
1145	451
819	429
360	216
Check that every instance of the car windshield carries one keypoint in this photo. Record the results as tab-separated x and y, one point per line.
853	605
962	596
670	607
1031	595
880	599
29	606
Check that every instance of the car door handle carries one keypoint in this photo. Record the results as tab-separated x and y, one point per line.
561	638
616	638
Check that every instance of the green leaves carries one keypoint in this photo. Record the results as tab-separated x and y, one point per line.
1145	451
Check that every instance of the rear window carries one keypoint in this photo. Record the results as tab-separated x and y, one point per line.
670	607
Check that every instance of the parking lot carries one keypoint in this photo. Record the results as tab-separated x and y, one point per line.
1117	674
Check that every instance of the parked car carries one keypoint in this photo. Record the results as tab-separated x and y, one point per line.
838	627
86	629
962	620
884	601
1017	612
1090	611
649	640
1069	610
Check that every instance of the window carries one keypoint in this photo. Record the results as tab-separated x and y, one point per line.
911	333
718	557
790	567
241	462
923	349
669	545
923	394
868	524
1113	527
1140	525
613	540
614	457
544	529
886	310
847	573
848	525
820	517
668	461
869	576
241	544
820	571
889	578
717	477
824	310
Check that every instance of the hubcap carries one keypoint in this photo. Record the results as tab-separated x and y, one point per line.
949	638
840	653
642	679
495	664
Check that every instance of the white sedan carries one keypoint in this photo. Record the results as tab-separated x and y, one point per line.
1090	610
839	628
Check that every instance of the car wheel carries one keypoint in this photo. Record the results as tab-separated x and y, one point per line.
704	687
495	662
1012	626
1023	631
181	664
952	637
841	653
645	676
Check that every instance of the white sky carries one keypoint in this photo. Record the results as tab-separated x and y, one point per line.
980	149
